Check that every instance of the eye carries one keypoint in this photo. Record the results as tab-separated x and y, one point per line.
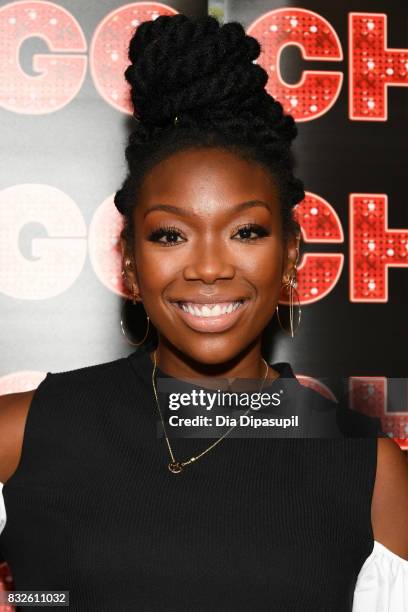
169	232
251	228
173	236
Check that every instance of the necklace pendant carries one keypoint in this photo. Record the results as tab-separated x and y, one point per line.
175	467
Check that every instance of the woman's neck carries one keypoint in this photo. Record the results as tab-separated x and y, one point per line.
247	364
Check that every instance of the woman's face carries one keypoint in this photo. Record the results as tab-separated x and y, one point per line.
208	231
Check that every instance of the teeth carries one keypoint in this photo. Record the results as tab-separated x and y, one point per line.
209	310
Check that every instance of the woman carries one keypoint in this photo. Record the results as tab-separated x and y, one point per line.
100	504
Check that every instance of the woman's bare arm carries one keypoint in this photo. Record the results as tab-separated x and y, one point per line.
389	509
13	414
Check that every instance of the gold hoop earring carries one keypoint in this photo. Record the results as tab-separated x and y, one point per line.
291	285
134	302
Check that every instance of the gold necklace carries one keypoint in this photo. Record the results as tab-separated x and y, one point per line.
174	466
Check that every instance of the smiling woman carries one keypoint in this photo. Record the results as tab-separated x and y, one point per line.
211	180
217	241
101	499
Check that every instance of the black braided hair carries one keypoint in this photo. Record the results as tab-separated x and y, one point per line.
204	74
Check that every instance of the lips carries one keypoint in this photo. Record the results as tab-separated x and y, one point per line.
211	316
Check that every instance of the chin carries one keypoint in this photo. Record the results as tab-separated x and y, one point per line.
213	351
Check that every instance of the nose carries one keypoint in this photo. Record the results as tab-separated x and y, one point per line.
209	263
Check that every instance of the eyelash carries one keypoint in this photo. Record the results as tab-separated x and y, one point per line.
168	229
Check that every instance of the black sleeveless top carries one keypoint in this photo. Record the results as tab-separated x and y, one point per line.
260	524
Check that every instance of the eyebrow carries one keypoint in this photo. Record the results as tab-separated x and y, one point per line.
187	213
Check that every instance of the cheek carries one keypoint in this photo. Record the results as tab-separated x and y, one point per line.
264	269
156	269
269	289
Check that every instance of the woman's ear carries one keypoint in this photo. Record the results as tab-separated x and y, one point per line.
291	257
129	272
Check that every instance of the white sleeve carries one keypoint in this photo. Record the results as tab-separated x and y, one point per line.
382	584
2	509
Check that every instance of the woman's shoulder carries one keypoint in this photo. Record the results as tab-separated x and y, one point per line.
87	373
58	387
349	422
12	403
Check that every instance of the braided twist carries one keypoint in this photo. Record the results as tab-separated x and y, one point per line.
205	74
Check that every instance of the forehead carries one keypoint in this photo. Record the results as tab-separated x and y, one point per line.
212	174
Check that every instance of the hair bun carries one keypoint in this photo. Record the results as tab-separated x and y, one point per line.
195	66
